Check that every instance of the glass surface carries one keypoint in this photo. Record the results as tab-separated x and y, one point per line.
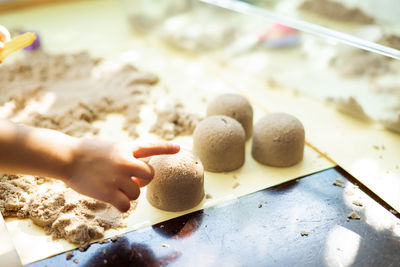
248	44
369	24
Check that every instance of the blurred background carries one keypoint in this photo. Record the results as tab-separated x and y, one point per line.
345	53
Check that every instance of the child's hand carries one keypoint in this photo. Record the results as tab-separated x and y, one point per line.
4	36
112	172
107	171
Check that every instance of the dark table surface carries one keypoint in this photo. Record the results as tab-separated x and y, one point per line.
303	222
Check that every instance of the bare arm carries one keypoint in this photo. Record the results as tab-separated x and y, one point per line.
35	151
103	170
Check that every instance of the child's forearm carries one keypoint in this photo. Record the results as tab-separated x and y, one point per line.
34	151
105	170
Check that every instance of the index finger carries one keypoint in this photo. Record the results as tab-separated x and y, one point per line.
153	149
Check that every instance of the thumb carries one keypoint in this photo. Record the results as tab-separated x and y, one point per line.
140	182
119	200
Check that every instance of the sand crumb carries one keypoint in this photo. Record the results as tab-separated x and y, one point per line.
295	93
234	186
303	233
75	261
173	120
115	238
165	245
353	216
105	261
357	203
69	256
104	251
393	212
272	83
339	182
84	247
260	205
208	196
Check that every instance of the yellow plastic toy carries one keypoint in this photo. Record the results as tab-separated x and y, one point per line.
16	44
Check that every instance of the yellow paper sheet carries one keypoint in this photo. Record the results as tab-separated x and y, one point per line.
366	151
251	177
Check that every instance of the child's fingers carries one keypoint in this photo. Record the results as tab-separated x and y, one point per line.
141	182
129	188
152	149
119	200
140	169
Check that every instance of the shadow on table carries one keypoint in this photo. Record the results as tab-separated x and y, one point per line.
180	227
124	253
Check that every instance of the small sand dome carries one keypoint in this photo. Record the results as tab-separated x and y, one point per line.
234	106
219	141
278	140
178	182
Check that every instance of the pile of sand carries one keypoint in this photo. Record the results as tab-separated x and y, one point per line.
80	89
81	92
61	211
